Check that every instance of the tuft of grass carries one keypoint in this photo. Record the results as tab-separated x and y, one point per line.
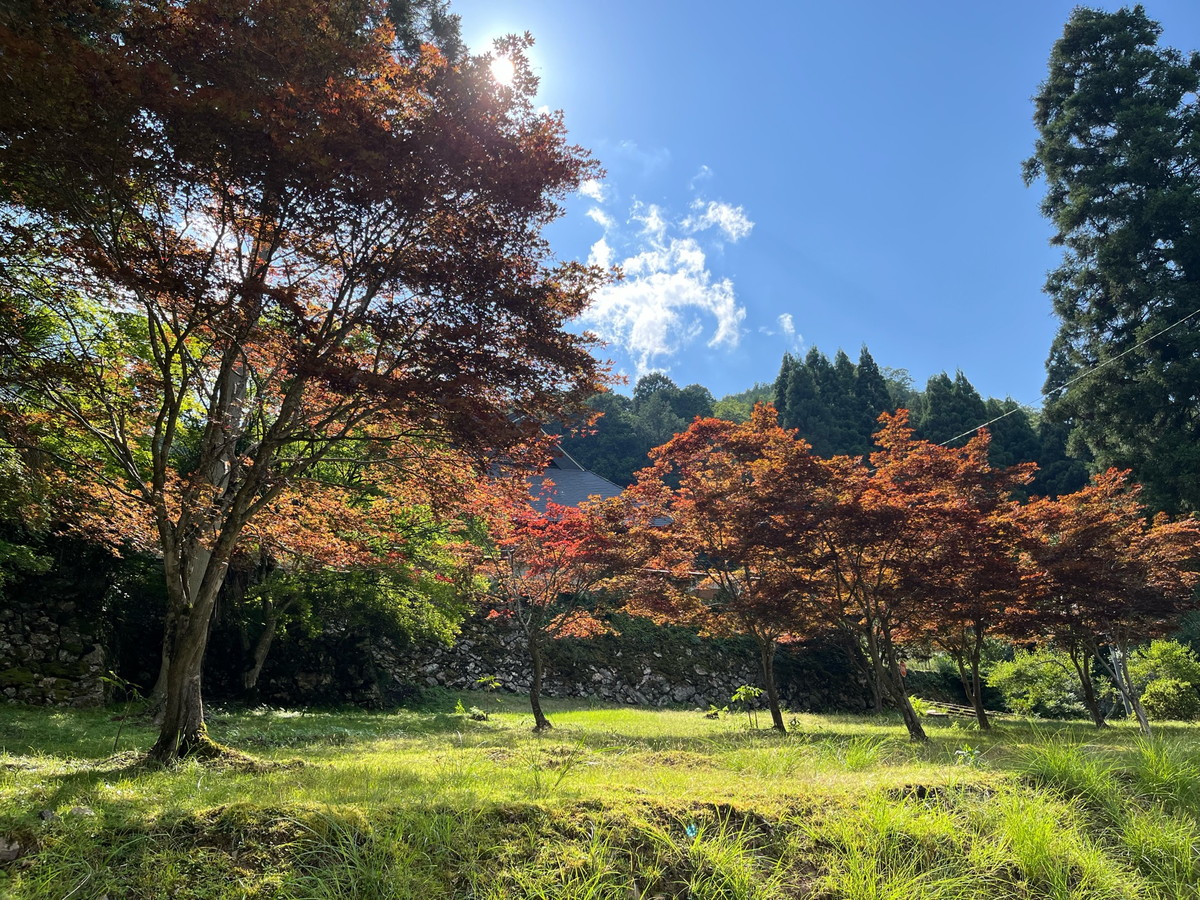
1075	770
1166	771
1046	841
1165	849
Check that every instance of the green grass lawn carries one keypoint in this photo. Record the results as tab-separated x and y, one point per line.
614	802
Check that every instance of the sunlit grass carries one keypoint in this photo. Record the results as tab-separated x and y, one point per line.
613	802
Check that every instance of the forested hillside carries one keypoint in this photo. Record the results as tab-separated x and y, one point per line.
835	406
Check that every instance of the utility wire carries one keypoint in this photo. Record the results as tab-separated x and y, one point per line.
1079	377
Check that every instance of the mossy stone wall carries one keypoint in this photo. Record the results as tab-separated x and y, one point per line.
49	655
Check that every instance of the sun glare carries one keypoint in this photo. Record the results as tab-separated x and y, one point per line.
503	70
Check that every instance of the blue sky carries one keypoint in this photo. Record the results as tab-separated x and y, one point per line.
784	175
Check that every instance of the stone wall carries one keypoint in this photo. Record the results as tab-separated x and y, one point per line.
49	656
645	666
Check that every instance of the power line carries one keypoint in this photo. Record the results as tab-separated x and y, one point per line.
1080	377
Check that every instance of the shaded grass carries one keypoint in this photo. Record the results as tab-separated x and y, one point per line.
614	802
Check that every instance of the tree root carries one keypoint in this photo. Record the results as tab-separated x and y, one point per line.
207	752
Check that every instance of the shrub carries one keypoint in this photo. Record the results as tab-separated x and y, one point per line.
1164	660
1038	683
1170	698
919	706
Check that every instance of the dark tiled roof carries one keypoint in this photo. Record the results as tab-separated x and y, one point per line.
572	483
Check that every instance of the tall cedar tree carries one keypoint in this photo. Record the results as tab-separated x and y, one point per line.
239	237
717	506
549	562
1110	578
1119	150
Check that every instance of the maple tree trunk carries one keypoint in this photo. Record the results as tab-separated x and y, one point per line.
972	684
194	578
860	661
1081	661
876	692
766	653
1118	667
262	646
887	671
540	722
981	715
915	731
1134	698
182	730
158	694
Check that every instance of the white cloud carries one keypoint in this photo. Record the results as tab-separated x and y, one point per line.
601	218
601	254
594	189
662	304
787	324
731	220
668	299
654	225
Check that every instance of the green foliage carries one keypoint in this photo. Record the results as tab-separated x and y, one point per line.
1059	472
969	756
618	444
919	706
1038	683
1170	698
613	447
412	607
747	695
737	407
952	410
18	560
1014	439
835	405
1164	659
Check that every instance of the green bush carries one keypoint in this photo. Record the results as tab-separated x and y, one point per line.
1039	683
1164	660
1170	698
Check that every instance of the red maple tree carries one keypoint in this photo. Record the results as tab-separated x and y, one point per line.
1111	576
727	515
241	237
548	565
918	548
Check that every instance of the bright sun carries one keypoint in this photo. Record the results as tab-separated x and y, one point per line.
503	70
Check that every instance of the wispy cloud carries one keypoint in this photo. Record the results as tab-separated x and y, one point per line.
703	174
650	216
648	160
731	220
594	189
785	328
668	298
600	254
601	218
